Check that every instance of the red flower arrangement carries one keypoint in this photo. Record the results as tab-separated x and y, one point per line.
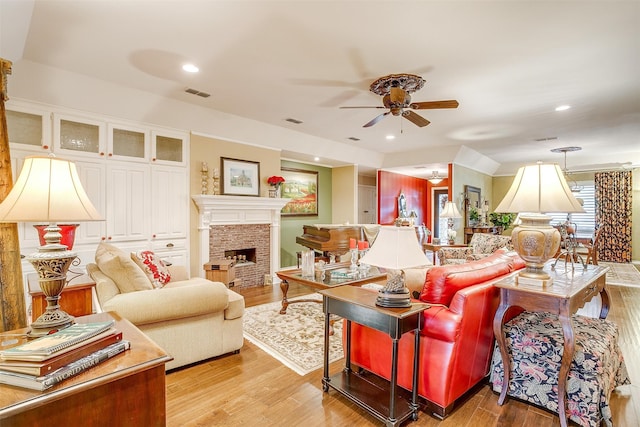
275	181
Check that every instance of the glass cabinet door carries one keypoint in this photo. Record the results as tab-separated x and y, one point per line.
168	148
79	135
30	129
128	143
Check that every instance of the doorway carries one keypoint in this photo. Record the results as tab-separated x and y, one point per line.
440	197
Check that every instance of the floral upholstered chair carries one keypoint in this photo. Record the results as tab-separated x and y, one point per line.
481	246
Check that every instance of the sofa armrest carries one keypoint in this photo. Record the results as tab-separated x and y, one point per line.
156	305
466	311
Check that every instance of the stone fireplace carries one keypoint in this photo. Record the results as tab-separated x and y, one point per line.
246	225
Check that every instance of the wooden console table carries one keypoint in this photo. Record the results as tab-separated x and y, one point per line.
570	290
359	305
127	390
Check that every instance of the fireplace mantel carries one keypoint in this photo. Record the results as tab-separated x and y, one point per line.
237	210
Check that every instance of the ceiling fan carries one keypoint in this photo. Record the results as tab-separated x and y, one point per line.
395	90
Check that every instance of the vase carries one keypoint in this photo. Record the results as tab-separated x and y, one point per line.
451	241
274	192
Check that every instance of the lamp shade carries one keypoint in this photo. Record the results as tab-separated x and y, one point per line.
48	189
396	248
450	211
539	188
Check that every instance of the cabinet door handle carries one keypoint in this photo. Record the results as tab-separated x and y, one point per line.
169	245
45	147
102	153
103	238
153	160
154	236
109	238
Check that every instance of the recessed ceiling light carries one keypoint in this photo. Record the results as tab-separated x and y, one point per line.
190	68
390	137
316	159
563	107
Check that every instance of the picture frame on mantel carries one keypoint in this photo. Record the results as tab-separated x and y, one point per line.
301	187
239	177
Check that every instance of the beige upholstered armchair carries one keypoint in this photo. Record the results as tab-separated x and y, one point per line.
481	245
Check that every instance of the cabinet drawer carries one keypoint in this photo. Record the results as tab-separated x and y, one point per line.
169	245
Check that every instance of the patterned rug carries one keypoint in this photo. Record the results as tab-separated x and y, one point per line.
622	274
296	339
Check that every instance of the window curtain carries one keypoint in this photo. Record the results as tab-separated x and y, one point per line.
613	194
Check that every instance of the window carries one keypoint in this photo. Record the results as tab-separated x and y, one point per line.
585	222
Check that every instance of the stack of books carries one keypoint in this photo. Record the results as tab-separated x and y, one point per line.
48	360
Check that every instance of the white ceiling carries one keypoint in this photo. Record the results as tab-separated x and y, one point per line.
508	63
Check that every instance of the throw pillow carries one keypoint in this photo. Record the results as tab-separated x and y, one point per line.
119	266
153	267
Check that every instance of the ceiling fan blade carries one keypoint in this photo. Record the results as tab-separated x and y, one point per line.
397	95
415	118
431	105
364	107
376	120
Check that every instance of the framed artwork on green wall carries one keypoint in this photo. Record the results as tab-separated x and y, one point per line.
301	187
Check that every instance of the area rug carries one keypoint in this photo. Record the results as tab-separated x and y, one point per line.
296	338
622	274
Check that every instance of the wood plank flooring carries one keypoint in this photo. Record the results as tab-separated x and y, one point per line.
253	389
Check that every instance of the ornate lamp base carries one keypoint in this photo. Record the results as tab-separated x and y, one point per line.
395	293
52	264
536	242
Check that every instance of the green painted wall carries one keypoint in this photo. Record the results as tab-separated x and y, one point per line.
291	227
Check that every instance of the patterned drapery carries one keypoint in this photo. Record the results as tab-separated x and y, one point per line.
613	194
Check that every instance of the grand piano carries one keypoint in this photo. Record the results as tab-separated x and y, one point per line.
331	239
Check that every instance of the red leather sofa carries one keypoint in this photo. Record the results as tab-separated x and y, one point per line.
456	340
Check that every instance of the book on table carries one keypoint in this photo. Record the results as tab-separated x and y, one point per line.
43	382
59	342
63	357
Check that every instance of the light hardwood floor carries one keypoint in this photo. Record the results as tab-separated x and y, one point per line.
253	389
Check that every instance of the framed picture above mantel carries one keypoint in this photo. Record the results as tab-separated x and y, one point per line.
240	177
301	187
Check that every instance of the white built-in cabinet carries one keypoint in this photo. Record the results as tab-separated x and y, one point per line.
135	174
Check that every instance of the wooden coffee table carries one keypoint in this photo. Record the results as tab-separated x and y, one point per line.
328	281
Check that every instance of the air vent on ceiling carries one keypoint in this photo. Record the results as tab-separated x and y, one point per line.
197	92
353	138
295	121
551	138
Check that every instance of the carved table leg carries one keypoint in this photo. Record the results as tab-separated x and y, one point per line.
502	345
567	357
284	286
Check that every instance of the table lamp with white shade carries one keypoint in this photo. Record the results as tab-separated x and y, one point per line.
450	212
536	190
48	190
395	248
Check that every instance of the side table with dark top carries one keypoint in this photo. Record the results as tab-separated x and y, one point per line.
359	305
126	390
570	290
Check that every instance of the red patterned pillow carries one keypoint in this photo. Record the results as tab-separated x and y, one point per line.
153	267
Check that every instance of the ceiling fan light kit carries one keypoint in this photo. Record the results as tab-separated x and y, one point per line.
395	90
573	184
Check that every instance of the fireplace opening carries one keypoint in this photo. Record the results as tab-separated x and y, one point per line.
242	257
